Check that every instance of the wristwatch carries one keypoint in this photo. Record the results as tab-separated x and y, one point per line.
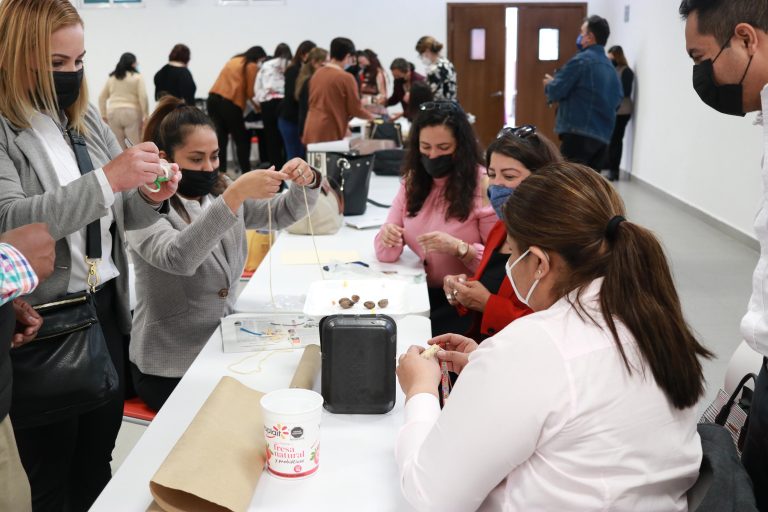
462	249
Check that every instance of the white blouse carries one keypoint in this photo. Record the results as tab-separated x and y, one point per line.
62	156
545	417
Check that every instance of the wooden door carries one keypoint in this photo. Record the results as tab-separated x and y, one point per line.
479	77
531	104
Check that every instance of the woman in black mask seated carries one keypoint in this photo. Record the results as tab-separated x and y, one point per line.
188	260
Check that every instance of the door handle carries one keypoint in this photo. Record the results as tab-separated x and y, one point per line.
497	94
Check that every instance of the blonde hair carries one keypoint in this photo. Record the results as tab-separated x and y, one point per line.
25	31
315	56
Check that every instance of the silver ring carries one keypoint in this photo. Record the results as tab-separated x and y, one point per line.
455	293
448	296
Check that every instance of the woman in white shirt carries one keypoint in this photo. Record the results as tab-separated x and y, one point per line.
586	404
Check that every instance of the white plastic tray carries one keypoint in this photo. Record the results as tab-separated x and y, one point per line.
323	297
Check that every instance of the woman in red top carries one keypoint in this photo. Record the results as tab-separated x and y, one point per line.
512	157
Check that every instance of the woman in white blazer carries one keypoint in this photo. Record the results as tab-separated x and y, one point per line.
43	94
588	403
188	260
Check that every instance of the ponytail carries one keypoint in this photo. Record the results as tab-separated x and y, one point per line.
569	209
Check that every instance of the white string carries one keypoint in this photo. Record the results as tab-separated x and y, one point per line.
269	251
258	368
312	233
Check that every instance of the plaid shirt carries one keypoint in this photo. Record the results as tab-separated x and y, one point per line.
16	274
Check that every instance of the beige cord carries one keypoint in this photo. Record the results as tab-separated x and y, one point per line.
312	233
258	368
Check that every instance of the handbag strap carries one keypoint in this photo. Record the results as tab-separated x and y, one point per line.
722	416
93	230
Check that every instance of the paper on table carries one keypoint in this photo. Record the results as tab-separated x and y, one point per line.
216	464
300	257
309	366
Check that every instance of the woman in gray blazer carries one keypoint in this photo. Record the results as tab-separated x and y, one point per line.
188	261
67	461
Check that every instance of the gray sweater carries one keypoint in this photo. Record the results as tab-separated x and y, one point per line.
187	274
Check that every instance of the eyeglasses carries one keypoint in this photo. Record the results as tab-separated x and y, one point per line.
521	132
440	106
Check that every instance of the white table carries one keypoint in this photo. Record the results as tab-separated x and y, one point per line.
290	282
357	469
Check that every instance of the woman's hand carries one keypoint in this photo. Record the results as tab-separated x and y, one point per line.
456	350
416	374
472	295
299	172
28	323
392	235
136	166
449	287
438	241
257	184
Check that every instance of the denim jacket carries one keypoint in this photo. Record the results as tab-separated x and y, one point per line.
588	92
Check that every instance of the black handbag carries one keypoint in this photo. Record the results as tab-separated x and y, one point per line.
351	174
389	162
385	130
66	370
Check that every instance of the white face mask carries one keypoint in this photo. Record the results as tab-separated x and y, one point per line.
425	60
509	267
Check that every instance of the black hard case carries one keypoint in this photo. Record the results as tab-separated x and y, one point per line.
358	363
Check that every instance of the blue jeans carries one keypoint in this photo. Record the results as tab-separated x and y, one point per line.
291	139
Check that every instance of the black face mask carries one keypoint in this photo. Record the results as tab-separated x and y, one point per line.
726	99
439	166
197	183
67	85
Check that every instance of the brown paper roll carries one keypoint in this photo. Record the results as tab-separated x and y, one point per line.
308	368
217	462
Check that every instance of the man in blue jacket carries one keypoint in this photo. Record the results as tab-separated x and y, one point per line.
588	93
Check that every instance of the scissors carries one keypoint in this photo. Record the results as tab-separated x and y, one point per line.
160	179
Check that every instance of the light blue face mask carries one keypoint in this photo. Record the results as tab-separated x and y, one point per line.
498	196
578	42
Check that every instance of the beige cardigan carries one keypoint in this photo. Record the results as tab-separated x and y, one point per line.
130	92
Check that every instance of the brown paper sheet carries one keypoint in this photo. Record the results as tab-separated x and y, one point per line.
308	368
216	464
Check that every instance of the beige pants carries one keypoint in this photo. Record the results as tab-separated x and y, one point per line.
14	486
125	123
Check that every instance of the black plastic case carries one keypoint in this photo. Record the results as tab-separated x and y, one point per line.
358	363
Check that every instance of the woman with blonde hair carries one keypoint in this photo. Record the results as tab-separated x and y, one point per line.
45	177
123	101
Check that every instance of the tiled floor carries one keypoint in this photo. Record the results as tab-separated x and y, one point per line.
712	272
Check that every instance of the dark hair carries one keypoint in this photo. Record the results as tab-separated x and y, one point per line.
180	53
283	51
126	64
401	64
618	55
599	27
341	47
302	51
428	43
168	127
253	54
534	151
462	182
315	55
565	208
421	93
719	17
372	71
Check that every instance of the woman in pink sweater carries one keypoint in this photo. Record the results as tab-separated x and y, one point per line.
439	212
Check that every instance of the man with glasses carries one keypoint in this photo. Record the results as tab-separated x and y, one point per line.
728	42
588	93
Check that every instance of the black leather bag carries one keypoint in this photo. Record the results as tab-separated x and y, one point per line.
66	370
388	162
385	130
351	174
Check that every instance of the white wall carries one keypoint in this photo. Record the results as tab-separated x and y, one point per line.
681	146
